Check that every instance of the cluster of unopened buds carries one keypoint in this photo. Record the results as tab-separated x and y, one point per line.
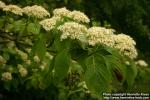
22	70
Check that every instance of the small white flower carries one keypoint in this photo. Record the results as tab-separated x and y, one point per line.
6	76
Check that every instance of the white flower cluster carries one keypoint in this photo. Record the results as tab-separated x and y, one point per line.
2	5
45	62
23	55
28	62
6	76
11	44
14	9
75	15
43	65
96	35
36	59
141	63
58	13
126	45
28	50
72	30
48	55
23	71
61	12
36	11
78	16
100	35
50	23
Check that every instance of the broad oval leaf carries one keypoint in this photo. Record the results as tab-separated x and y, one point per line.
61	64
96	76
131	73
39	48
33	28
19	27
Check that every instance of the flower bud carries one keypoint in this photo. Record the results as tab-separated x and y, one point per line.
23	72
6	76
36	59
28	62
2	60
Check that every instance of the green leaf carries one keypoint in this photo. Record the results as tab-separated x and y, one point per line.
131	73
33	28
15	83
7	85
9	27
61	64
34	82
39	47
19	26
96	76
79	55
62	95
1	22
61	45
143	73
6	55
114	64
